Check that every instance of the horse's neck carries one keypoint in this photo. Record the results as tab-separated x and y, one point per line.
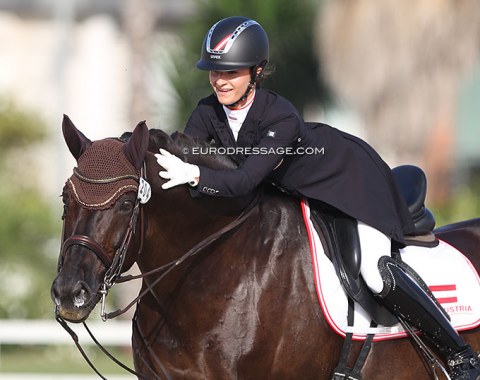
175	223
175	227
245	272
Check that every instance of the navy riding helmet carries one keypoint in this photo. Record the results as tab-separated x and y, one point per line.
234	43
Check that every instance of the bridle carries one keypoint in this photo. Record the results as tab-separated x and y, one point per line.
114	265
113	273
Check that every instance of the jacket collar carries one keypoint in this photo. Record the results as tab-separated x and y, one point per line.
249	127
220	124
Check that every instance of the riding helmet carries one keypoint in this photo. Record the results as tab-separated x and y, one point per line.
234	43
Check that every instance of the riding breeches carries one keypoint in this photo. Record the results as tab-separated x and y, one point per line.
373	244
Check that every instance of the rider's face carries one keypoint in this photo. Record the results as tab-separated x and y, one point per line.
229	86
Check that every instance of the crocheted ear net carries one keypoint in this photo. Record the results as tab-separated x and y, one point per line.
103	175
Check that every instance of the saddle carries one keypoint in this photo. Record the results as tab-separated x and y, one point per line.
343	244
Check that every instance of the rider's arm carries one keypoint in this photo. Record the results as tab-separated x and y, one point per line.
264	158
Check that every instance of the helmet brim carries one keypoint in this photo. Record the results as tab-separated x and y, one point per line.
223	66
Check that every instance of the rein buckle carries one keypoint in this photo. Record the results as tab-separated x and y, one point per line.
103	291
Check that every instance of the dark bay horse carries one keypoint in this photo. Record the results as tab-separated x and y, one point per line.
242	306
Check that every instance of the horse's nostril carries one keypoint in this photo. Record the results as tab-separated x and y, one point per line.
80	294
54	292
79	299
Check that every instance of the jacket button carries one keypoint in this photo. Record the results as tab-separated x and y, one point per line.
209	190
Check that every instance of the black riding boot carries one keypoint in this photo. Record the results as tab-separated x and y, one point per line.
407	300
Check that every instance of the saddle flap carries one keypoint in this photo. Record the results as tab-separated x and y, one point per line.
343	246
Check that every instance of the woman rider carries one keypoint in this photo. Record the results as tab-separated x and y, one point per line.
270	142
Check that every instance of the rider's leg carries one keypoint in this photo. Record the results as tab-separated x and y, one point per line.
406	299
373	245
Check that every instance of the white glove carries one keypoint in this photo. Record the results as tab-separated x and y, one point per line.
177	171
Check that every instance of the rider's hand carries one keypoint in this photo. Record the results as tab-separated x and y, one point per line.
176	171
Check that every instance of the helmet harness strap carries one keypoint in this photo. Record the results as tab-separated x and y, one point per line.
255	76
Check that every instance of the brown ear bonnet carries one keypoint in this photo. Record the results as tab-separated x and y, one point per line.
103	174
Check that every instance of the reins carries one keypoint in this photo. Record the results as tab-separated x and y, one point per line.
173	264
75	339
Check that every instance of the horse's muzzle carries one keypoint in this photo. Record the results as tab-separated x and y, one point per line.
73	301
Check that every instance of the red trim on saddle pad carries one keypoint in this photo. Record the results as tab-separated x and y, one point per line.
455	290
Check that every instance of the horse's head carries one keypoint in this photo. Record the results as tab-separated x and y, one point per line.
101	205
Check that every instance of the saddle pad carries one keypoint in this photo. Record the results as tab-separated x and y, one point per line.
448	273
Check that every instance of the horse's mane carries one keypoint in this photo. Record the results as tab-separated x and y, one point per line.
185	146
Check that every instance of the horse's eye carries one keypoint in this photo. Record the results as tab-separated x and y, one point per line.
126	206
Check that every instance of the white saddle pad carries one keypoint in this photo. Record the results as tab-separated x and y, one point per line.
448	273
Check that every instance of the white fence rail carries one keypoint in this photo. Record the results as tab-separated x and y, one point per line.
34	332
26	376
49	332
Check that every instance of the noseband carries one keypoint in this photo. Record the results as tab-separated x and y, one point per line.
88	243
114	265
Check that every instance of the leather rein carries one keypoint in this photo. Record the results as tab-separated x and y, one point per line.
113	273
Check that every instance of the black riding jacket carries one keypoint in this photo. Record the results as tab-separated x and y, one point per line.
310	160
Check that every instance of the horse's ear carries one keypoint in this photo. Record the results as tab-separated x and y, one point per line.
137	145
76	141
